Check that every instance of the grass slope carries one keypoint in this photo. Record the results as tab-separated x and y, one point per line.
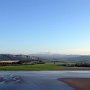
32	67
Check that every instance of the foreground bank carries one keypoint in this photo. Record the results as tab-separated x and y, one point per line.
77	83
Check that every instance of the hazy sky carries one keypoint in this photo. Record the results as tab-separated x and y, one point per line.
57	26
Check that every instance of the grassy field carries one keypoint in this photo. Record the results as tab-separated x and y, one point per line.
38	67
32	67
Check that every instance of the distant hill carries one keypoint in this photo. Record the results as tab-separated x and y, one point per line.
45	56
17	57
49	56
55	56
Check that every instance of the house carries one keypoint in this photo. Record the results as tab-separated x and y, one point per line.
10	62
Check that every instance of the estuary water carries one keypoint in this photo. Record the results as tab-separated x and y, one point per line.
38	80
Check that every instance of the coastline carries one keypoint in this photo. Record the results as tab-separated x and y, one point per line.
77	83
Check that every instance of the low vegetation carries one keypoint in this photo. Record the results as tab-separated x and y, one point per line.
32	67
48	65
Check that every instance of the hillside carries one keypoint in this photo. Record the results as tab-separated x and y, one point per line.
51	57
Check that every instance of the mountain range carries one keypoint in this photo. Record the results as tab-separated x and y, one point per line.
44	56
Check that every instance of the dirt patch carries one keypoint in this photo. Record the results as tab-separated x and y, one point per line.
77	83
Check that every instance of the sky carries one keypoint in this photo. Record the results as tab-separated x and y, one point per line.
34	26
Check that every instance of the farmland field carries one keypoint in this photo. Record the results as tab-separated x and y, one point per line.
32	67
37	67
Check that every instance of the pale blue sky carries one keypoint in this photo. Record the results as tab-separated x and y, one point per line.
57	26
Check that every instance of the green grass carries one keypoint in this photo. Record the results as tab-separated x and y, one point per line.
32	67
